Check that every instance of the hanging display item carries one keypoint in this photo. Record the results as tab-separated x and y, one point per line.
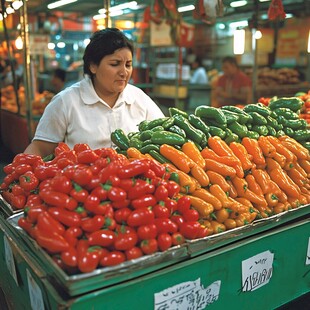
208	10
276	10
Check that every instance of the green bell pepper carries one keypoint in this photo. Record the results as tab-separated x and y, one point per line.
120	139
167	137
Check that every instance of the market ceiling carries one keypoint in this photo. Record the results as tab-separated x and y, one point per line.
90	7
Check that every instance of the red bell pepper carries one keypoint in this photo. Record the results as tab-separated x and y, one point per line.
164	241
87	156
66	217
144	201
113	258
28	181
72	234
140	188
125	240
54	198
34	200
133	169
94	223
117	194
32	212
45	222
165	225
102	237
22	168
62	184
51	241
78	193
70	257
82	175
43	172
121	215
93	204
149	246
26	226
141	216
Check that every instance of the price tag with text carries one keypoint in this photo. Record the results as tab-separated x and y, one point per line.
190	295
308	253
35	293
9	259
257	271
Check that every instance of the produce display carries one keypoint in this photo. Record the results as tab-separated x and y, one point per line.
277	117
305	110
178	178
8	100
273	77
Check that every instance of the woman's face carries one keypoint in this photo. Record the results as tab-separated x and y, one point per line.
229	69
113	72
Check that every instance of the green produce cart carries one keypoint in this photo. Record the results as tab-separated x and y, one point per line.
259	266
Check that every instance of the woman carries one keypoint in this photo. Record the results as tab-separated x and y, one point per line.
234	87
199	74
90	110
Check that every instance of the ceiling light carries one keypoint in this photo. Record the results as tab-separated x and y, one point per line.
57	4
288	15
19	43
51	46
237	4
99	16
186	8
17	5
239	41
258	35
61	44
240	23
9	10
116	13
129	5
264	0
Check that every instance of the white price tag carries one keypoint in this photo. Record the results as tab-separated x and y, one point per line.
9	259
190	295
308	253
257	271
35	293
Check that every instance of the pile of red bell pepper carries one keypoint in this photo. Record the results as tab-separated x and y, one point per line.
96	208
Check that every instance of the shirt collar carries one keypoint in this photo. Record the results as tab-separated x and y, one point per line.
89	95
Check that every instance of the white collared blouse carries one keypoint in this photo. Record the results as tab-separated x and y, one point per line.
78	115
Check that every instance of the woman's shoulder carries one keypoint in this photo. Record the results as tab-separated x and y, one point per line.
67	95
136	93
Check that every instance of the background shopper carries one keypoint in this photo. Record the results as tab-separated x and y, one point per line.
233	87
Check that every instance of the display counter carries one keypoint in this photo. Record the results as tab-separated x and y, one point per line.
198	95
259	266
281	90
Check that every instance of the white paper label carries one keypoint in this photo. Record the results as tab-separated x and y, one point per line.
308	253
257	271
189	295
35	293
9	259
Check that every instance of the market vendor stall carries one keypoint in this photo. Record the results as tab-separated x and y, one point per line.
192	210
220	276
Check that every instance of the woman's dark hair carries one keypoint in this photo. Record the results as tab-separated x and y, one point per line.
60	73
230	59
102	43
199	61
